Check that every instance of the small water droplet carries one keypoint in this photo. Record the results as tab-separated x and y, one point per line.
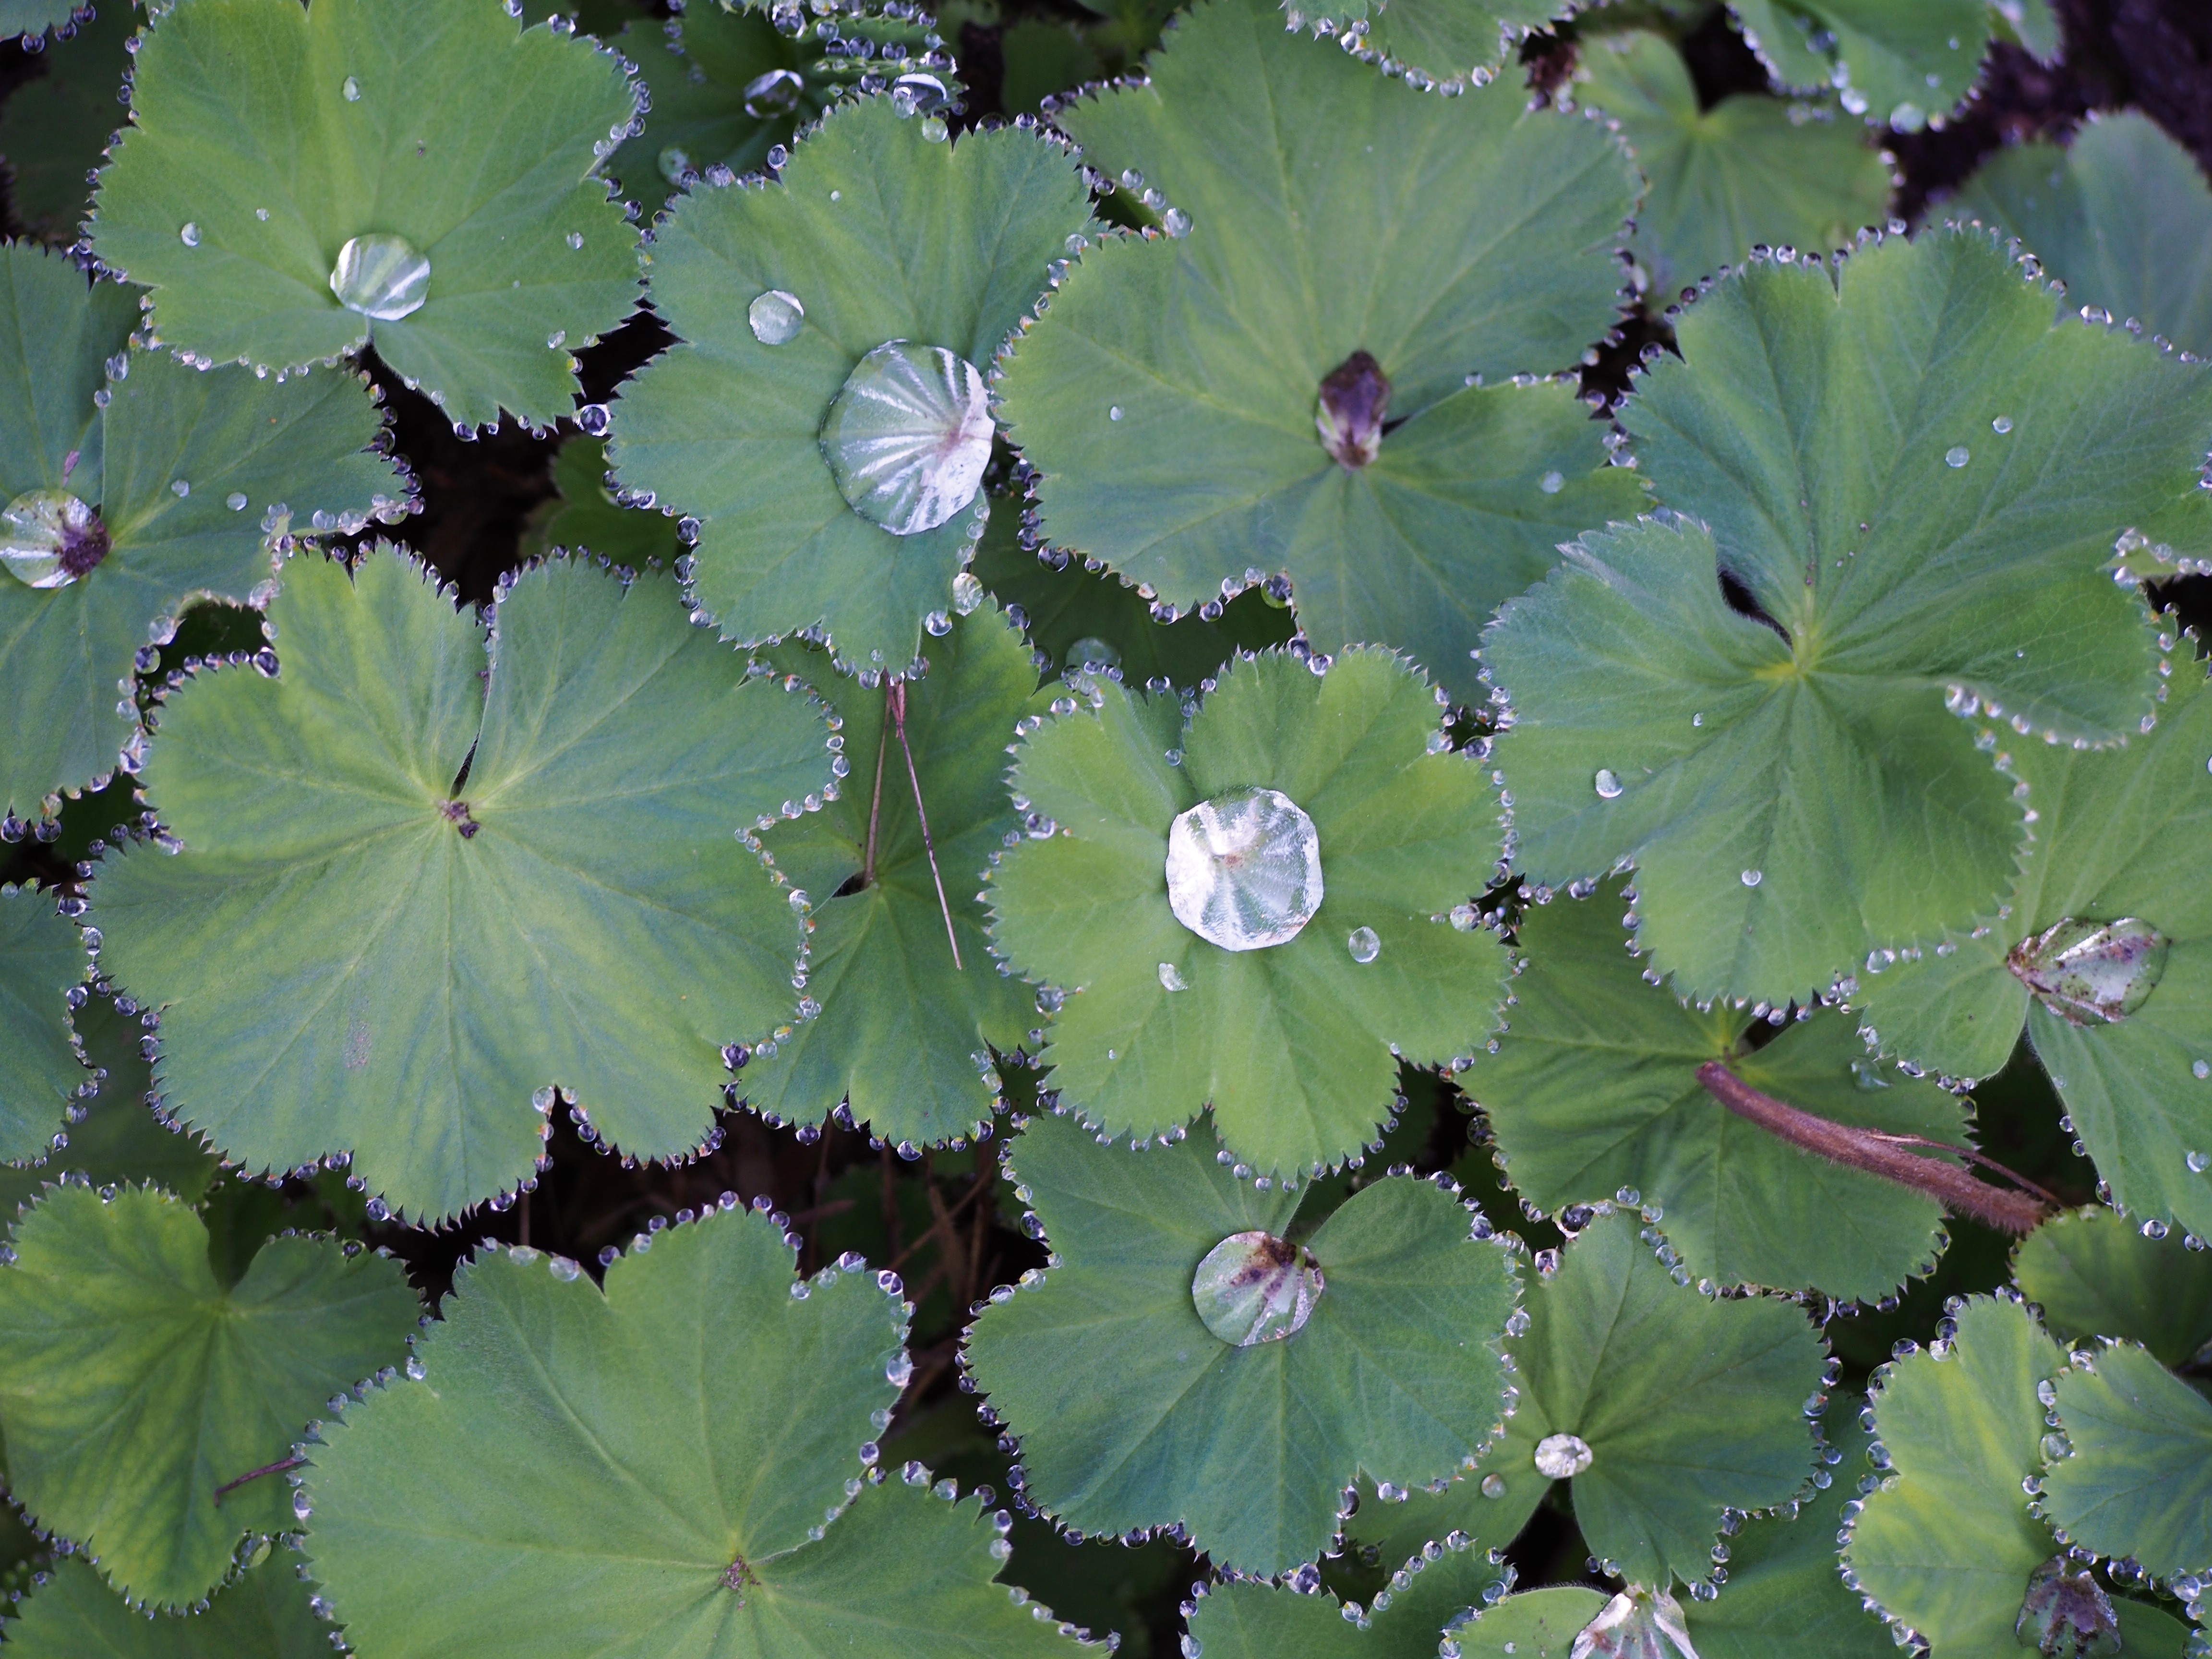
575	239
2201	1070
2198	1162
415	1372
1493	1485
49	539
1252	1287
180	488
1908	117
2001	425
967	594
1172	977
1956	456
776	317
934	129
1243	870
235	500
1364	945
673	162
2091	973
1466	918
1114	412
1607	784
1551	483
776	92
908	436
1752	878
1562	1456
381	278
351	90
190	235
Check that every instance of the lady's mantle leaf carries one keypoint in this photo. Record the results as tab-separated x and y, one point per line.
901	1027
2122	215
53	129
1134	1414
2093	1274
1913	476
1750	170
265	137
1594	1087
32	18
1539	1623
263	1614
2119	837
1430	1594
2138	1482
584	516
1291	1043
41	956
409	902
880	235
565	1479
1430	41
132	1384
163	463
1170	396
1900	62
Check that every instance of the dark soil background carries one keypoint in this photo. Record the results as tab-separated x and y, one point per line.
942	1220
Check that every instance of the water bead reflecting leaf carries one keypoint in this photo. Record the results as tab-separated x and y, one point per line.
776	92
49	539
909	436
776	317
2066	1613
1363	943
1253	1287
967	594
1562	1456
2092	973
1637	1624
382	278
1243	870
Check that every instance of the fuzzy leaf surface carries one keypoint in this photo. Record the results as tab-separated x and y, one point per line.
1594	1087
1718	181
53	129
1133	1413
262	1615
2139	1481
344	968
881	236
1902	60
475	140
1688	1405
1796	795
132	1384
1290	1043
2116	837
41	955
899	1023
1483	245
2093	1274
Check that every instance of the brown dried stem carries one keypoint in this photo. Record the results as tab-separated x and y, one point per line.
921	812
277	1467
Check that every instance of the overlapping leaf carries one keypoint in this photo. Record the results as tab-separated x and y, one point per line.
29	19
2093	1274
1594	1087
41	956
905	1034
133	1384
1432	41
1169	395
2117	837
1430	1597
1910	474
584	516
2137	1481
412	903
881	236
1295	1045
188	473
1718	181
1540	1623
1900	62
53	129
1133	1413
264	137
263	1615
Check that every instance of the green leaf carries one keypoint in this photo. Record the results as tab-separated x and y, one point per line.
2094	1274
1534	1624
379	959
31	18
41	956
1948	1542
2123	216
1595	1089
2115	836
1168	396
1900	62
881	236
218	437
132	1384
1688	1407
263	1614
1429	1595
1767	775
1750	170
1043	57
1133	1414
584	516
474	140
54	129
1294	1045
2033	23
902	1028
1452	42
2138	1482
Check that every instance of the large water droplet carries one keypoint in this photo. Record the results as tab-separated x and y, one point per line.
1608	784
967	594
2065	1612
1355	400
1562	1456
382	278
1253	1287
1364	945
776	317
1243	869
1752	878
773	93
1637	1624
2091	973
908	436
49	539
1493	1485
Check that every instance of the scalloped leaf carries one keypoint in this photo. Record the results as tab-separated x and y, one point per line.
1594	1087
53	130
41	956
264	137
2123	215
1900	62
1429	1596
1761	774
1295	1045
1450	42
565	1479
30	19
2138	1481
1168	396
881	236
2094	1274
2118	835
584	515
386	958
1539	1624
161	462
901	1027
132	1383
263	1614
1133	1413
1688	1407
1750	170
